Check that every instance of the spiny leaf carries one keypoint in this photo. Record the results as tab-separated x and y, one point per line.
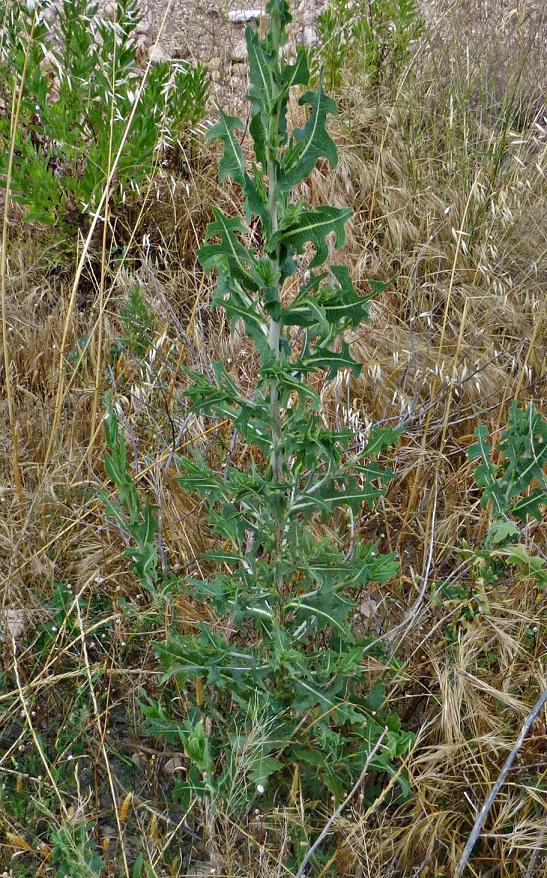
297	73
501	531
262	94
282	8
311	142
350	494
485	473
530	505
232	163
313	226
230	254
330	361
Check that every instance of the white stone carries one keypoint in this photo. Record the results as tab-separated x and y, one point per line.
13	622
242	16
176	763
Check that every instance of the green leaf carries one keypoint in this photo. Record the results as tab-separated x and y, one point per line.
331	362
313	226
530	565
232	163
281	7
262	94
530	505
310	143
230	255
297	73
138	866
263	769
260	71
502	530
486	472
350	494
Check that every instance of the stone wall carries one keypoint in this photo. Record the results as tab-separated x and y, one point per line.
211	30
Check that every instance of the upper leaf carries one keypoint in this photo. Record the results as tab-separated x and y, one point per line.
312	226
232	163
282	8
311	142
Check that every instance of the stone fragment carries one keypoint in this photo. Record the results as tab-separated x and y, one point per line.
173	765
157	54
239	52
244	16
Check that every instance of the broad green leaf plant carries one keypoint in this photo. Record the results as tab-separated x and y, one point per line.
287	576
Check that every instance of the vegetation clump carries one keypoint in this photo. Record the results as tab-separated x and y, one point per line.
281	613
84	116
279	682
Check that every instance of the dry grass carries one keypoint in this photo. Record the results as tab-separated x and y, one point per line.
448	187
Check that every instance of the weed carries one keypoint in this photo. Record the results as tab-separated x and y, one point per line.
515	490
138	323
285	596
74	852
444	167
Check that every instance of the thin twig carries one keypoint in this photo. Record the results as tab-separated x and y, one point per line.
336	814
483	814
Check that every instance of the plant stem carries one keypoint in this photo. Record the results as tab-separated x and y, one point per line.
275	326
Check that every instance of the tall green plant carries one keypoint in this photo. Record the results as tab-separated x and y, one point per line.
290	576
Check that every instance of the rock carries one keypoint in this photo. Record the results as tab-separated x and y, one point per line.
240	70
244	16
107	829
157	54
173	765
143	27
239	52
200	870
13	623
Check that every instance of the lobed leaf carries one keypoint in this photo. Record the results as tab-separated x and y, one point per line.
312	226
311	143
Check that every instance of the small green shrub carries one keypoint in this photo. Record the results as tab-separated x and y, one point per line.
514	490
131	513
371	36
74	852
74	112
278	687
523	455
